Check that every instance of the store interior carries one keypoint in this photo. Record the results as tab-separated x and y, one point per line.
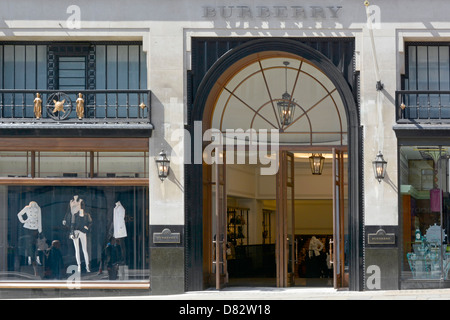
252	219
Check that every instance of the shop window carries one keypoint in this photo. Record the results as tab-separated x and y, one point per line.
15	164
69	216
121	165
104	240
62	164
425	212
83	164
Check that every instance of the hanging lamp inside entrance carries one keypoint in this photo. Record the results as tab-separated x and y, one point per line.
286	106
316	162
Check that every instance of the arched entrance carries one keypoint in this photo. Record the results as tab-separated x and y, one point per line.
293	90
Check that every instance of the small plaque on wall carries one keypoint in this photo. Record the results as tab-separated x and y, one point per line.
381	237
166	236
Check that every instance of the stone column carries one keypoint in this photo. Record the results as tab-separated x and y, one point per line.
378	118
166	74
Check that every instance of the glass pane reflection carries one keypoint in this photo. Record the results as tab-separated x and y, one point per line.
104	237
425	203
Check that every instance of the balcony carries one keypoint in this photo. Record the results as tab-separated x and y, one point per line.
98	113
98	106
423	107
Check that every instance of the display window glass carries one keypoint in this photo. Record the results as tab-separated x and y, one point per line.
72	215
15	164
73	164
424	212
121	165
89	233
62	164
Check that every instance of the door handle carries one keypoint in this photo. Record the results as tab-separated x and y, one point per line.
331	251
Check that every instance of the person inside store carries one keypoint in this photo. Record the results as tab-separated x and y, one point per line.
314	269
112	258
54	264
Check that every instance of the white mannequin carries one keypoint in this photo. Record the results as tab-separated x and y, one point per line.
315	246
33	221
120	230
75	204
78	235
33	224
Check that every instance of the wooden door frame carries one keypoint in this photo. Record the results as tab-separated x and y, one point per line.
282	251
281	244
339	277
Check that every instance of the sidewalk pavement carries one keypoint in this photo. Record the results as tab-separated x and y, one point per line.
263	293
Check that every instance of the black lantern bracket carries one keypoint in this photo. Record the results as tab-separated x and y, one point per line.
162	165
379	167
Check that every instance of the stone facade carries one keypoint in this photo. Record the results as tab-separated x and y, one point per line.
166	29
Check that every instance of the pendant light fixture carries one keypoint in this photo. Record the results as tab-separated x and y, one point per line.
286	106
316	162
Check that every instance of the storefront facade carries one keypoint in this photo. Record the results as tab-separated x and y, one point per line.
91	93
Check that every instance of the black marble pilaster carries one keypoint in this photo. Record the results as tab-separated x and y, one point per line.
167	274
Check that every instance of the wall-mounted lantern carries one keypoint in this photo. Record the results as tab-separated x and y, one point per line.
379	167
163	165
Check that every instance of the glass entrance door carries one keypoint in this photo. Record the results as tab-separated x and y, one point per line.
340	276
219	222
285	244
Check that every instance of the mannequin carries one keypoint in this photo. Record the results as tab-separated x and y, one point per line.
120	230
80	224
33	221
33	227
315	247
75	204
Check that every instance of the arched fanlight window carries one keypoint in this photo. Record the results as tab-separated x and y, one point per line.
282	92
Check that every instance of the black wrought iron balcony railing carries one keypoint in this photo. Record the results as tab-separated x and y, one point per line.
422	106
82	106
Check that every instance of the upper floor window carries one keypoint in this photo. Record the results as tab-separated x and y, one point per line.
111	78
428	67
73	66
425	94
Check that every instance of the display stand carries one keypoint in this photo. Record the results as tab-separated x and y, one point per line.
425	261
237	225
267	226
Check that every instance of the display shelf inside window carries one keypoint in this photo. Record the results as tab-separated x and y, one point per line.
237	225
267	226
425	260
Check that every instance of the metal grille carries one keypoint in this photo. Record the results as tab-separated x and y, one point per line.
103	105
425	94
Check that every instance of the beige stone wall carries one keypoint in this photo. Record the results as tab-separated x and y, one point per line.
166	27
